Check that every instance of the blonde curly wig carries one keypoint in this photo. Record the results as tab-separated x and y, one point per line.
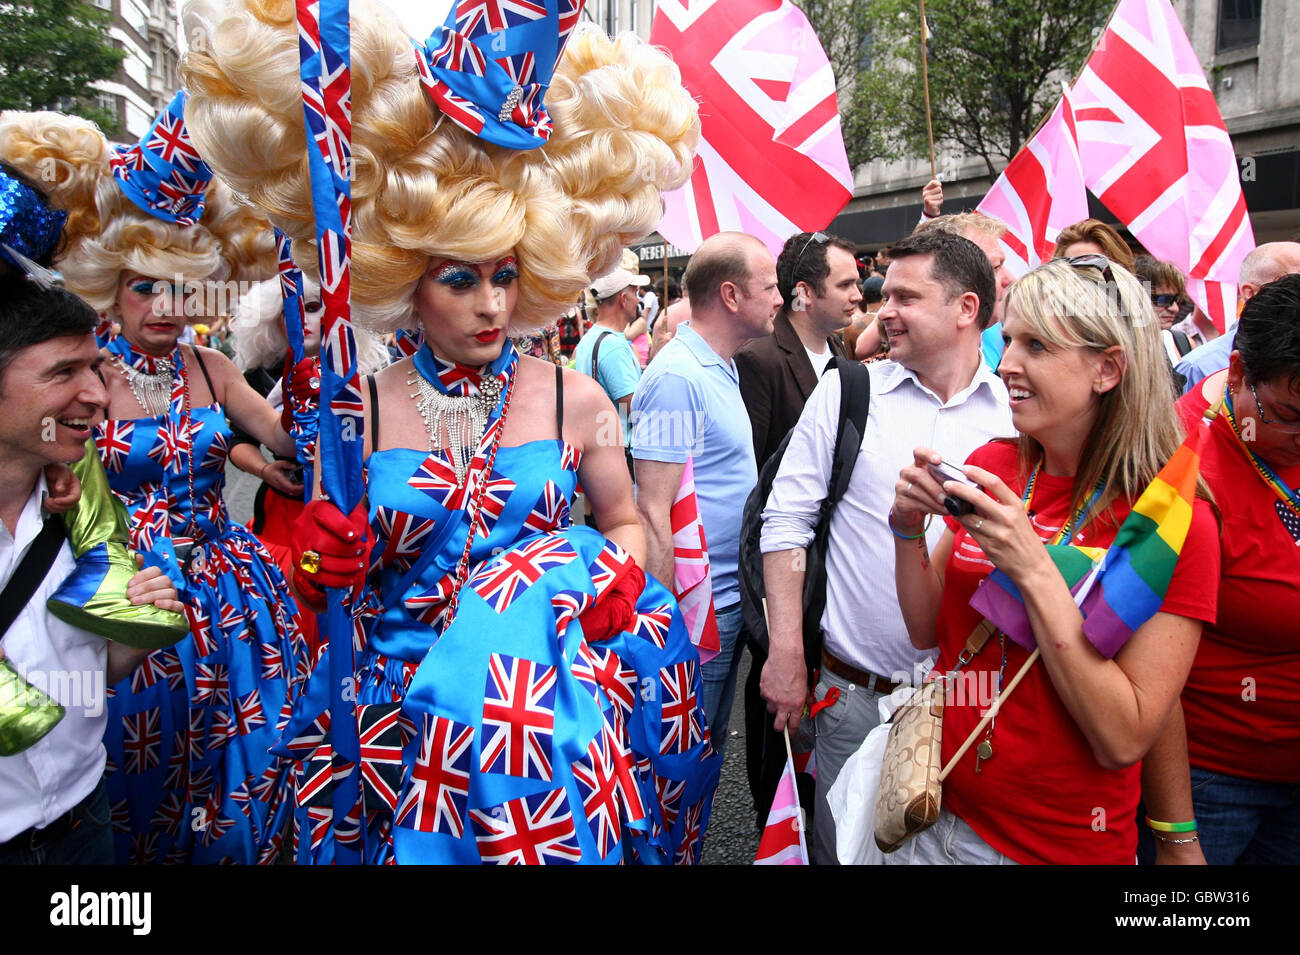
258	335
624	130
107	234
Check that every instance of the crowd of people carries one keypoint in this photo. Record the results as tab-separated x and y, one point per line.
523	686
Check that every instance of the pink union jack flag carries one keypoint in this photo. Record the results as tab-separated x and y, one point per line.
249	713
436	478
382	731
518	717
403	536
142	740
551	512
506	577
171	140
437	795
113	440
531	830
680	715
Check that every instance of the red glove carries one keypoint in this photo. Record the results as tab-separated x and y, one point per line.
342	544
301	387
615	610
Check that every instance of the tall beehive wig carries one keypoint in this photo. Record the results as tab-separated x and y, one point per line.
422	187
107	234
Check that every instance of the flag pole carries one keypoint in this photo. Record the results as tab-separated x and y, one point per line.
925	86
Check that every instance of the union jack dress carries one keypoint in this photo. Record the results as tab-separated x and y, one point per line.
190	774
506	737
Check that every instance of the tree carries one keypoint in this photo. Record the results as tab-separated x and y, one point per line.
50	53
995	68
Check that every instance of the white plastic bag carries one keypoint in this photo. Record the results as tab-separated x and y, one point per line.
852	797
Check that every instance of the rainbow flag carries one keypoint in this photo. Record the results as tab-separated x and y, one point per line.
1125	588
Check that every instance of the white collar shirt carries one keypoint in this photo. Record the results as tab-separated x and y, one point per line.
43	782
863	624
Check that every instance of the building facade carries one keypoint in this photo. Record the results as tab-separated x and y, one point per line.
149	32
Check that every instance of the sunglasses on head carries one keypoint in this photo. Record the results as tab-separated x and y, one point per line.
818	237
1092	261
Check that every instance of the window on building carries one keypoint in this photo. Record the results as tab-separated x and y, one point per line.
103	4
1238	24
136	68
137	14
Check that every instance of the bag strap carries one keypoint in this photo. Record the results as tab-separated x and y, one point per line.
374	413
1181	341
993	711
559	402
595	354
855	402
36	563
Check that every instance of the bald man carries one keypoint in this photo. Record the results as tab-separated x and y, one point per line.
1266	263
688	406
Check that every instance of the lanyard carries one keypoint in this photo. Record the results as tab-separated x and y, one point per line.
1269	476
1067	532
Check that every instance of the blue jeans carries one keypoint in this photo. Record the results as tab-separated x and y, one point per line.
1246	821
89	841
718	676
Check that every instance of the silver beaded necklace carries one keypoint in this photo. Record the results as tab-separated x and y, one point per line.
464	418
152	390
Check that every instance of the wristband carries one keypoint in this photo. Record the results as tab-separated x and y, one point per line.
889	520
1171	826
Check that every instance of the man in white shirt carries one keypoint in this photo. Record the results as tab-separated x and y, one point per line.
53	805
936	391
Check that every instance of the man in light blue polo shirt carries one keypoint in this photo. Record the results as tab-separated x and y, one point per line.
688	405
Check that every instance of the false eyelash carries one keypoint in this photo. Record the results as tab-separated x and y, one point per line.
507	274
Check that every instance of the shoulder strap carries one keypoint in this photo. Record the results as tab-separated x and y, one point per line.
992	712
559	402
855	401
35	565
374	413
1181	342
204	368
595	353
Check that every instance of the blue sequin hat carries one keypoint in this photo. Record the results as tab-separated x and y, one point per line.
489	64
29	225
163	174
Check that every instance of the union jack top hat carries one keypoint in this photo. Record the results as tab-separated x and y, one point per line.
488	66
163	174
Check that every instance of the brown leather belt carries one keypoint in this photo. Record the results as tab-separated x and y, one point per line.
863	678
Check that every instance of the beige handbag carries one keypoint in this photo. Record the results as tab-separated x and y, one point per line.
911	781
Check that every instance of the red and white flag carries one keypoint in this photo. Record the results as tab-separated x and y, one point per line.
782	842
692	582
1156	152
1040	192
771	160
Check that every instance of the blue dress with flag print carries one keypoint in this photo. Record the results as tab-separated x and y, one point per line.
190	774
507	737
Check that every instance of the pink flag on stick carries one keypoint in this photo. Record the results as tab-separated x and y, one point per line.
692	582
782	842
1155	151
771	161
1040	192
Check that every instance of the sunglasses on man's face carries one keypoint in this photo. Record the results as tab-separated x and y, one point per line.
1164	300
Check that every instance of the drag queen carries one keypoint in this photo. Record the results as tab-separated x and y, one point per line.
190	774
524	694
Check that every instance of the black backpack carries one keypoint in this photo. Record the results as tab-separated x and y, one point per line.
855	399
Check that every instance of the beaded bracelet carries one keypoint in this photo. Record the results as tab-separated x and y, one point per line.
1176	842
1171	826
